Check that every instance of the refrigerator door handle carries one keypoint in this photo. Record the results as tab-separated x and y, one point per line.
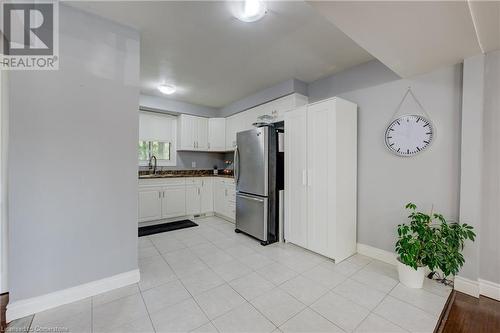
304	177
250	198
236	166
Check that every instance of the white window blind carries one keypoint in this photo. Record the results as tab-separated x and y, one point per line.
157	137
157	127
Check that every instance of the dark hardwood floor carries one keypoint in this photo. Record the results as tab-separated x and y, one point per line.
4	299
464	314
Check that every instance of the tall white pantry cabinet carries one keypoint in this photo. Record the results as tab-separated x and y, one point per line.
320	177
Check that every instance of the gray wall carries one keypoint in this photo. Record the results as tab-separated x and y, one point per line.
163	104
73	160
4	129
279	90
208	160
203	160
490	226
472	142
387	182
362	76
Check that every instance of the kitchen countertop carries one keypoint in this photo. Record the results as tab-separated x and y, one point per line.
182	174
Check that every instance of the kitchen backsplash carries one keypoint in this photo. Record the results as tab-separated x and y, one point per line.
202	160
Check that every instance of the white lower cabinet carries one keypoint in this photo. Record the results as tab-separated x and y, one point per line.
193	196
174	201
168	198
225	198
320	177
150	199
207	195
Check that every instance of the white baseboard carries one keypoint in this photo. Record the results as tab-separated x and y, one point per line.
466	286
379	254
462	284
489	289
224	217
476	288
26	307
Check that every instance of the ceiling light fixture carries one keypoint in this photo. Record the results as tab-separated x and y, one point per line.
251	10
166	89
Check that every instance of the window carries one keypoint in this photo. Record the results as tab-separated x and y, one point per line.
161	150
157	134
143	149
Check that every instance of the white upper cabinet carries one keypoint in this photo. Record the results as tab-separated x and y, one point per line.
201	134
187	126
193	133
244	120
217	134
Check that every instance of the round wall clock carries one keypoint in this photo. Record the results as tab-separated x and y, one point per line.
408	135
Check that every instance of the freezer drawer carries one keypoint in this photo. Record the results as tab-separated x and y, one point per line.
251	215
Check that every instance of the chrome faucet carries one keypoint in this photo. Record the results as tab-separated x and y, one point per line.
150	164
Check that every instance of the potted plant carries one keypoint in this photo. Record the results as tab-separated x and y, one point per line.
449	243
428	240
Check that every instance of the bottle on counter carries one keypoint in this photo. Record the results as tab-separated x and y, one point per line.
216	171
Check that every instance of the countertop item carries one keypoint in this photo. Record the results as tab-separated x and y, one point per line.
181	173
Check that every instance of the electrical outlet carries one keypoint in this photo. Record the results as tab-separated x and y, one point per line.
193	164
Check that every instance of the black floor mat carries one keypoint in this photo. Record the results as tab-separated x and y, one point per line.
164	227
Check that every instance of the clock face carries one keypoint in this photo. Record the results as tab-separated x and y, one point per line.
409	135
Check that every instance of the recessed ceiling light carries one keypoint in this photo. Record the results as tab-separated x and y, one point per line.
251	10
166	89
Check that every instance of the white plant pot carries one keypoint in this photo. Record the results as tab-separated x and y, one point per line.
410	277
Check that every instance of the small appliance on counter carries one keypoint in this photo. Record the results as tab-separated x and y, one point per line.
229	169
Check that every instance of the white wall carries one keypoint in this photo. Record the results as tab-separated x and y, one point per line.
4	127
387	182
490	225
73	160
472	142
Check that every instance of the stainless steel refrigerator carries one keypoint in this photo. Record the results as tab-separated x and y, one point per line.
259	164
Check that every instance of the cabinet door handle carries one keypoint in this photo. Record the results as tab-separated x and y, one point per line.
209	145
304	177
198	191
159	195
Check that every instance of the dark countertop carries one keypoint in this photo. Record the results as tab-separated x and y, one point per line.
182	174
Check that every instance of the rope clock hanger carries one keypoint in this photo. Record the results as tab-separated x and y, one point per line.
409	134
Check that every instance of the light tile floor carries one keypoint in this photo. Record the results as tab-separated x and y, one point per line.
210	279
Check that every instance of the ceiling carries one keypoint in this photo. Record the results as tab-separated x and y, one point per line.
215	59
414	37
